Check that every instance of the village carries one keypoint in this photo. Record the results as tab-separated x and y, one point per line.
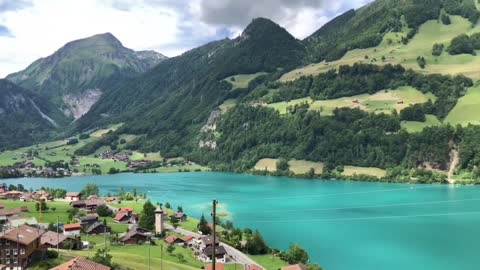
24	239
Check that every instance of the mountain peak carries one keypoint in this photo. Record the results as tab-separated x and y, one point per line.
262	26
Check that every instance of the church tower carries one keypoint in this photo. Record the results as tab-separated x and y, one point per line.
159	220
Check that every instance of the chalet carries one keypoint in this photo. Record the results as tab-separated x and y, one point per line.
92	204
51	239
88	220
182	217
26	197
218	266
134	236
73	196
14	222
12	195
42	195
72	230
126	217
97	228
295	267
78	204
220	254
5	214
174	240
81	264
20	246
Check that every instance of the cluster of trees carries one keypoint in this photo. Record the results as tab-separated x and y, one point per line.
350	136
464	44
366	78
437	49
58	193
89	190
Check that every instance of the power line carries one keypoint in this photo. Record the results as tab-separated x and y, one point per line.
332	194
357	219
357	207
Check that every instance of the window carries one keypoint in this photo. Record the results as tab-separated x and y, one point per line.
7	242
7	252
15	251
22	251
8	261
15	260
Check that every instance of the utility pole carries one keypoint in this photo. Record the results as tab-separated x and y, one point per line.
161	256
58	234
214	215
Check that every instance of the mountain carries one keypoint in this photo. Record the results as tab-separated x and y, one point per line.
76	75
366	27
25	117
177	96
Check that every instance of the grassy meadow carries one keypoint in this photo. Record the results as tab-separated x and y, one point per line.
354	170
242	80
467	110
381	102
396	52
414	126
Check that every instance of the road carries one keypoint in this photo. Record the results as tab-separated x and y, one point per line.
235	254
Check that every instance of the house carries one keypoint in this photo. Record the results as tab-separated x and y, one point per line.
295	267
218	266
73	196
182	217
5	214
78	204
51	239
174	240
72	230
188	239
97	228
126	217
254	267
220	254
207	241
134	236
12	195
20	246
81	264
14	222
112	200
26	197
42	195
92	204
88	220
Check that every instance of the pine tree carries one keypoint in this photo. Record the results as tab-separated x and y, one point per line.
147	217
203	226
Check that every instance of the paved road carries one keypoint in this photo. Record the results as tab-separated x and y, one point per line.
237	255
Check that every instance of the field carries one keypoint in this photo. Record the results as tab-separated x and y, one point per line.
242	80
381	102
467	110
352	170
396	53
270	262
269	164
413	126
303	166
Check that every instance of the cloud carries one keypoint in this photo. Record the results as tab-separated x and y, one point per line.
167	26
4	31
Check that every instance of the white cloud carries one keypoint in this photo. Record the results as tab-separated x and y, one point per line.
39	27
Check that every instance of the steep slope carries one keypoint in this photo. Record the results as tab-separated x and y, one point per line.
76	75
366	27
25	117
175	98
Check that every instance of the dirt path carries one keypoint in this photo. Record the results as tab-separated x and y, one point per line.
454	160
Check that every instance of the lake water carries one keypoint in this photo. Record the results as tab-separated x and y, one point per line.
343	225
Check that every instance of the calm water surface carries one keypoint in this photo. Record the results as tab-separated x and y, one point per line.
343	225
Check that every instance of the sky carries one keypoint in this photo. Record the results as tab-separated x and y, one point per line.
31	29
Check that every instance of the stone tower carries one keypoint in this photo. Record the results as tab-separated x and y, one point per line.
159	220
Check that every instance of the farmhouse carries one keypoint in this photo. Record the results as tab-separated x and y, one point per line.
126	216
97	228
51	239
5	214
81	264
73	196
134	236
180	216
72	230
26	197
174	240
220	254
19	246
88	220
78	204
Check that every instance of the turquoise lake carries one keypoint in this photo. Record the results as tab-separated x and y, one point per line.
343	225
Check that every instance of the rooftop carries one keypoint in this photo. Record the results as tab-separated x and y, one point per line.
52	238
23	234
81	264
